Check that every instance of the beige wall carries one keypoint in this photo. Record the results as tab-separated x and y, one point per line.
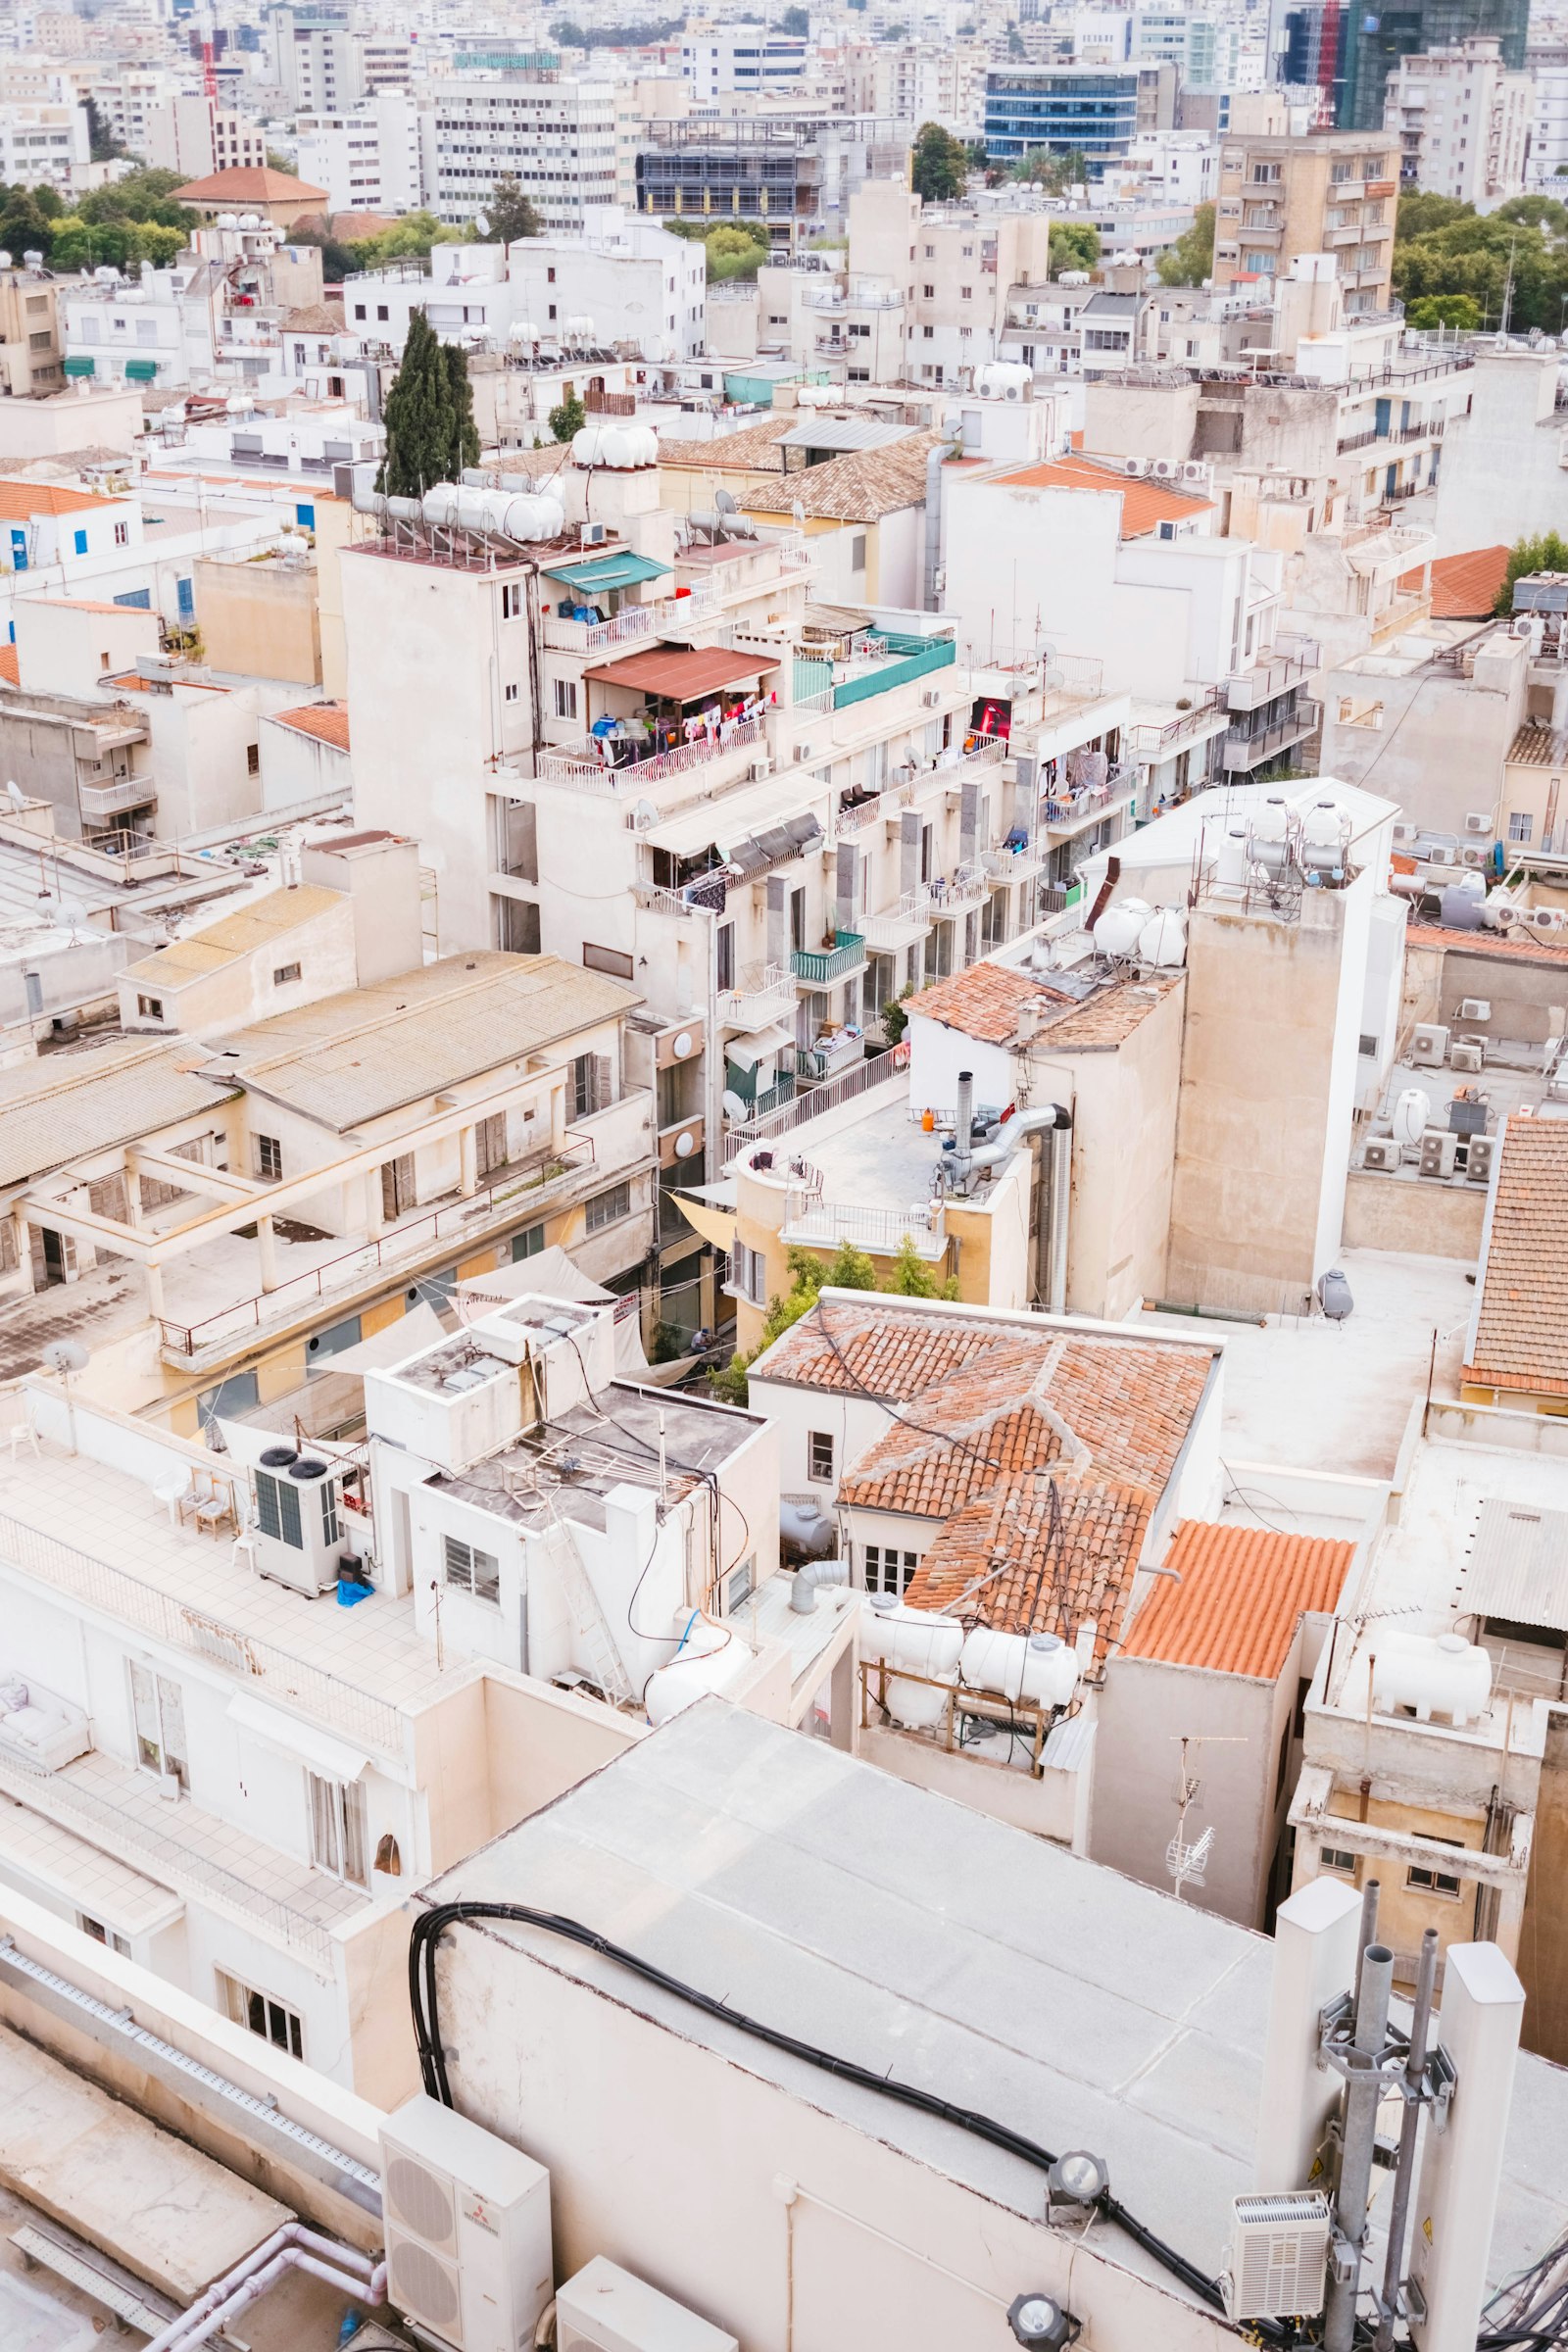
260	618
1123	1155
1434	1220
334	516
1544	1945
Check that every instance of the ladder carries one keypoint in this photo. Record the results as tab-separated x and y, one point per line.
588	1622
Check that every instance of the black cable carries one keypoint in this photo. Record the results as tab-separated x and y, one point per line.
857	1389
424	2004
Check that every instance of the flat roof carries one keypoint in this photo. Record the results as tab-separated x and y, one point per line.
931	1944
258	924
72	1105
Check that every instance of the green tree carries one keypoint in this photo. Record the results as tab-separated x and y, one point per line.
847	1269
101	146
510	212
1511	263
26	228
736	250
1548	553
1191	259
1420	213
1460	310
913	1278
939	165
1073	245
430	415
1055	170
569	418
794	24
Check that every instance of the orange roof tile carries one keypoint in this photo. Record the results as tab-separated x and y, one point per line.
1517	944
1521	1320
1068	1566
987	1001
91	604
8	666
1464	587
1145	505
1243	1592
249	184
328	722
20	501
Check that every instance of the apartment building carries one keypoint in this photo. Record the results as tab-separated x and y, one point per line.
741	61
1331	192
367	158
31	356
44	145
1547	68
950	271
1463	123
188	134
1093	109
554	135
797	172
1205	51
316	59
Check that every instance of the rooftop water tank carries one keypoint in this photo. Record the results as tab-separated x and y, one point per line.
917	1638
1162	941
711	1657
1038	1669
1412	1115
1120	927
1432	1674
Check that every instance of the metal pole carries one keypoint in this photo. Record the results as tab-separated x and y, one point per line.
1357	2134
1415	2068
1369	1935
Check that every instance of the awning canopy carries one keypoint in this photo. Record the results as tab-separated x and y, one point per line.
751	1046
141	372
678	677
621	570
333	1758
80	364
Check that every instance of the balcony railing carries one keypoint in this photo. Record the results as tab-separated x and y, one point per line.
514	1192
815	1063
773	1097
580	763
1250	688
1014	865
126	792
567	636
969	886
881	1069
900	926
1248	751
1157	743
821	967
822	1224
764	994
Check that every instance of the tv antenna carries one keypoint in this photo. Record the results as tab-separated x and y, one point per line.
1187	1858
64	1359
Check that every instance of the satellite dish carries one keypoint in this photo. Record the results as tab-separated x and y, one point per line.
19	799
725	501
65	1356
644	814
481	221
799	512
734	1107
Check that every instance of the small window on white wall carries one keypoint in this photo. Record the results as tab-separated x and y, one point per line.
565	697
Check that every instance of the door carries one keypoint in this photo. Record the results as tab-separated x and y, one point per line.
796	920
397	1186
490	1144
56	1265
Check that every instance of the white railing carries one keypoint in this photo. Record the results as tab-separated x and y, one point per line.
986	749
881	1069
901	923
968	886
827	1223
569	636
655	900
580	763
762	995
1013	865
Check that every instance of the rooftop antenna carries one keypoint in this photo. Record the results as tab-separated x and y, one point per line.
64	1359
1188	1858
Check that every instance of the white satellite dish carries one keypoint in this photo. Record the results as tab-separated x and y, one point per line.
735	1109
18	797
481	221
644	814
725	501
65	1356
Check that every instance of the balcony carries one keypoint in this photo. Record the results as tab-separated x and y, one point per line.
900	926
1014	865
1246	752
763	995
1067	820
813	1223
126	792
581	764
1250	688
825	967
815	1063
563	635
1156	743
968	887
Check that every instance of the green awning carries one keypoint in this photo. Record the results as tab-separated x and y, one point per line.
141	372
81	366
601	572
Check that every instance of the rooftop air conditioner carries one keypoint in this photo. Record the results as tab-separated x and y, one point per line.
1438	1149
299	1530
1381	1155
1428	1046
1279	2254
605	2309
1403	834
1442	853
1478	1160
1475	1008
1468	1056
761	769
802	750
1194	471
1132	465
1163	468
931	697
1479	821
468	2229
1476	855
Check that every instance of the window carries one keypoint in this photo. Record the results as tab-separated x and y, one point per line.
151	1008
747	1275
80	539
158	1711
966	293
590	1084
724	955
513	690
471	1571
1520	826
1337	1858
358	310
512	600
929	292
121	534
381	311
286	973
819	1455
740	1584
565	697
889	1570
269	1158
337	1828
1425	1878
608	1208
517	927
101	1934
857	552
275	2021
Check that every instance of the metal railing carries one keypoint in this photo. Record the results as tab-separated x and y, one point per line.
827	1223
763	994
1243	749
568	636
581	763
898	926
1250	688
126	792
966	887
116	1593
516	1189
172	1861
1152	743
820	967
881	1070
773	1097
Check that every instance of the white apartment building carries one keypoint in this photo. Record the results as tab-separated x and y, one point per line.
127	98
1206	51
186	134
1463	123
1164	167
555	136
368	158
741	61
928	82
44	145
954	268
315	59
1548	128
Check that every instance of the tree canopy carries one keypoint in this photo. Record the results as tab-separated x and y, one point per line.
1055	170
734	248
1191	259
512	212
847	1269
430	432
1515	259
569	417
1073	245
939	166
1545	552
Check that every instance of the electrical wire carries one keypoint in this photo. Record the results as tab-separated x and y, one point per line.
424	2007
856	1388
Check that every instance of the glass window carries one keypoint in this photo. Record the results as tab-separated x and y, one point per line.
819	1455
158	1711
889	1570
269	1158
337	1828
275	2021
608	1208
471	1571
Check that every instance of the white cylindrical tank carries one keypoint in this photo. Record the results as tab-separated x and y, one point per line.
1119	928
585	445
1432	1674
1230	867
530	515
579	330
917	1638
615	448
644	444
1325	834
1412	1115
1162	941
1037	1668
523	330
711	1657
1270	834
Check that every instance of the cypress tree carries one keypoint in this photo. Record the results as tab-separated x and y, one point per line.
424	431
459	393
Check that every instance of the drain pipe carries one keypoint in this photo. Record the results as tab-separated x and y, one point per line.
810	1579
1060	1195
293	2247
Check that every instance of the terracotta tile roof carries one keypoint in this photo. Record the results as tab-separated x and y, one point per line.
1080	1566
1112	1017
1243	1594
1145	505
9	669
1517	944
314	319
861	486
986	1003
1521	1321
249	184
328	722
21	501
752	450
1463	587
882	1351
1537	747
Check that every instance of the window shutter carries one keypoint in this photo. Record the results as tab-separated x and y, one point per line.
603	1083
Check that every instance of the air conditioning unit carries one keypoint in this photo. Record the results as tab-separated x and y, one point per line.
1132	465
1442	853
1475	1008
1279	2254
1547	919
1478	1160
803	752
1164	469
1478	821
1521	625
1194	471
932	697
1469	1056
1381	1155
1438	1149
1405	834
761	769
1428	1046
299	1520
1475	854
592	534
468	2229
605	2309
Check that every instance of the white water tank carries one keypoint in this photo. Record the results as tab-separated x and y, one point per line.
1412	1115
1036	1668
585	445
1230	865
1162	941
615	448
644	444
917	1638
1270	834
523	330
1432	1674
711	1657
1325	835
1003	380
1120	927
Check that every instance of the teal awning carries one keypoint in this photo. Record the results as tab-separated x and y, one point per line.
80	364
601	572
141	372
